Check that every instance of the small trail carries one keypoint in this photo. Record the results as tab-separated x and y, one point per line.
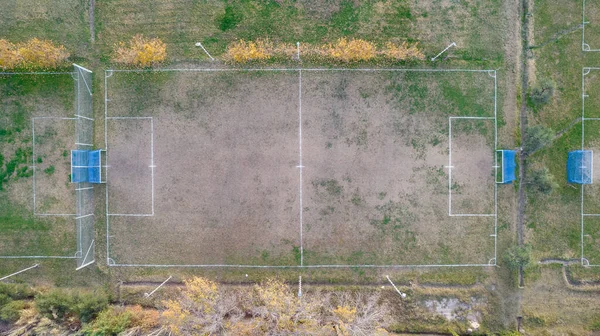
92	19
523	127
557	36
563	262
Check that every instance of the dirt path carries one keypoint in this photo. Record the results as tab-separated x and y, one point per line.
92	30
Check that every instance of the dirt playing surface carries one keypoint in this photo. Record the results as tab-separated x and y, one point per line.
227	181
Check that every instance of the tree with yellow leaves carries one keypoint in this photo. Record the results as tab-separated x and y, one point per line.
140	51
351	51
202	308
243	52
34	53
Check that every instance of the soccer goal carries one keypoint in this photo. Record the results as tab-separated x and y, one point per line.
580	167
508	166
86	166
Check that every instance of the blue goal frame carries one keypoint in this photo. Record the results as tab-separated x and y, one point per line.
86	166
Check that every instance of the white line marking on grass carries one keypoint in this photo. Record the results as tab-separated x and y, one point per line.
37	257
402	295
152	166
37	73
85	82
84	144
84	117
300	164
47	214
303	69
86	188
84	216
128	118
448	47
131	215
19	272
198	44
86	255
112	263
106	75
157	288
60	118
33	158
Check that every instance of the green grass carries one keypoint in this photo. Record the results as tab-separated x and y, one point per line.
218	23
63	21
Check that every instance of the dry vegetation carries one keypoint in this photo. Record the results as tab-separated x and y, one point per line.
271	307
140	51
32	54
343	50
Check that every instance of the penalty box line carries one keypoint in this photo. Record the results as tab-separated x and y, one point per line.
450	167
151	166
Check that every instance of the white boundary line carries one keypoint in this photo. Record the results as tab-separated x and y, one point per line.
491	262
297	266
585	71
303	69
37	73
35	168
300	165
38	257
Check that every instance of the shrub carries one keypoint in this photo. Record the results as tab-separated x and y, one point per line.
140	51
11	311
542	181
351	51
115	320
34	53
62	305
111	321
518	256
402	52
89	305
537	137
542	92
16	291
41	53
144	319
243	52
55	304
9	56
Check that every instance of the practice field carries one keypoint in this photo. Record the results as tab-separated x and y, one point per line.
304	167
37	202
42	214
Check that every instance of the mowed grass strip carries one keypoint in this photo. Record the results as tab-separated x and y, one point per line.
475	26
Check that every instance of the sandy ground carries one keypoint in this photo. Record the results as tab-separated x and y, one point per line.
227	185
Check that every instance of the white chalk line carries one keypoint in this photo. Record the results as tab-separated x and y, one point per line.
303	69
300	165
295	266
